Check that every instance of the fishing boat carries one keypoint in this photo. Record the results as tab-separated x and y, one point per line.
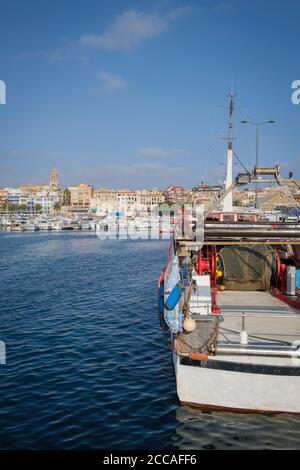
229	299
231	304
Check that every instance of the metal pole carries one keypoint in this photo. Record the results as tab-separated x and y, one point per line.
243	334
257	124
257	163
243	322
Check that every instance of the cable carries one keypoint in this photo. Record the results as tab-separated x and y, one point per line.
290	196
241	163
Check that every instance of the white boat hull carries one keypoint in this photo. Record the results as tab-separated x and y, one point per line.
232	390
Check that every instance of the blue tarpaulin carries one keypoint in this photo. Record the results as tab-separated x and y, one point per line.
298	279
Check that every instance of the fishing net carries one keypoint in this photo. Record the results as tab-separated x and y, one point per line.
247	268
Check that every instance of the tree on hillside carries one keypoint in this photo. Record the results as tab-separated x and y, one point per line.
66	197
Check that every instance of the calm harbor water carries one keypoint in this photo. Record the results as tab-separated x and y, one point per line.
87	367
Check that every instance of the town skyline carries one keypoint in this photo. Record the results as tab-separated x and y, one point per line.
52	197
60	185
142	106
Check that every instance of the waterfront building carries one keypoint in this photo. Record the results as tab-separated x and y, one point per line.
13	196
30	204
109	201
205	194
176	195
149	199
104	201
127	201
32	189
81	195
3	197
25	198
245	197
276	200
47	200
32	195
127	198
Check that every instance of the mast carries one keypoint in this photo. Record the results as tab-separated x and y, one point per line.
227	204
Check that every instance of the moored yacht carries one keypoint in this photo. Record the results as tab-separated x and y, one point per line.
30	227
43	224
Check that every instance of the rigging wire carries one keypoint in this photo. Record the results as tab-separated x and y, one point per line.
290	196
241	163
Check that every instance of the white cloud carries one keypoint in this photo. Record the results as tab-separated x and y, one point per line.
64	54
180	12
126	31
131	28
158	152
111	81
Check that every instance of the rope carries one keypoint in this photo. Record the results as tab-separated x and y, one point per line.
256	337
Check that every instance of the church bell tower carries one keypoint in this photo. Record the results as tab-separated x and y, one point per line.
54	179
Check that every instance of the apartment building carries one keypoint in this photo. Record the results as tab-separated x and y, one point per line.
81	195
177	195
104	201
3	197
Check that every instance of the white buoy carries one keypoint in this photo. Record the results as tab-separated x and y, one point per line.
189	325
244	338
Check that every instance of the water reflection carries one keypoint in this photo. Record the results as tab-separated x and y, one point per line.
206	430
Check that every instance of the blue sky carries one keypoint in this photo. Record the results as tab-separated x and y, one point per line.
126	93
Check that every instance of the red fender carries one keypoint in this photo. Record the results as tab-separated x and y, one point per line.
162	277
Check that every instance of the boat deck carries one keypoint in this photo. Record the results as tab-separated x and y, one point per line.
266	318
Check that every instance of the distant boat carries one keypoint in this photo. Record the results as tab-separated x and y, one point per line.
56	225
6	224
43	225
86	226
30	227
15	227
75	226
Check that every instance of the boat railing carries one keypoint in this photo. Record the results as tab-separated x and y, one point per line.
280	343
258	315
